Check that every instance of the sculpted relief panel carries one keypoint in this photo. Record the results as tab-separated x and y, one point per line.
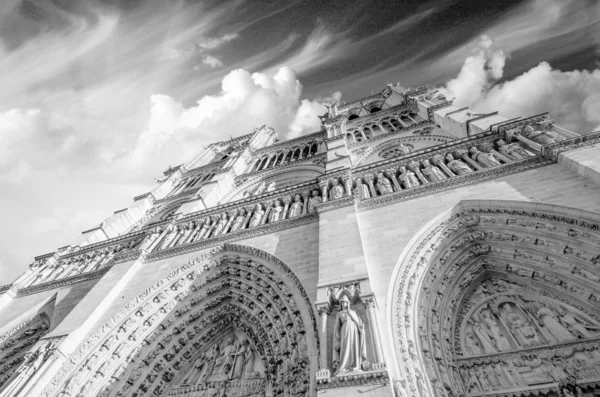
499	301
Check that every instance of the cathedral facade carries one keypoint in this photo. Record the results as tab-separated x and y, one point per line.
409	248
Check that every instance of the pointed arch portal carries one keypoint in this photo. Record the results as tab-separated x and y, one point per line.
500	298
234	322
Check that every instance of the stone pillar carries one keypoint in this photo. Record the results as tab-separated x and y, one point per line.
414	167
501	156
369	179
439	161
347	181
229	223
266	215
392	174
249	212
465	156
305	196
374	327
324	185
324	310
529	142
286	206
158	240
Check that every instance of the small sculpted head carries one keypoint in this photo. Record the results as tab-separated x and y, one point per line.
335	182
297	198
315	193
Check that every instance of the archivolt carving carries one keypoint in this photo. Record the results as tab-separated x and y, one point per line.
174	338
488	284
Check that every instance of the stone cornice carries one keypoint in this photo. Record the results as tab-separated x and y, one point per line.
552	151
206	168
521	122
104	244
234	236
334	204
451	183
439	106
354	379
185	193
62	282
145	195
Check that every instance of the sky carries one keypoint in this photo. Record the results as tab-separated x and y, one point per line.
97	98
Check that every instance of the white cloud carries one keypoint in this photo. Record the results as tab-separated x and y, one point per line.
212	62
572	98
214	42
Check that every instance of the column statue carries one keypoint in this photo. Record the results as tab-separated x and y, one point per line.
361	189
486	159
314	200
271	187
239	220
457	166
349	341
276	212
408	178
222	222
542	136
257	216
513	150
384	186
296	207
337	191
432	172
260	189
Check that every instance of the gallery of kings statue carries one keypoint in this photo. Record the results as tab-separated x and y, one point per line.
410	248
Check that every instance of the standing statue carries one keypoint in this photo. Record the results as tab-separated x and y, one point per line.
260	189
549	320
314	200
31	363
257	216
541	134
276	212
500	340
457	166
337	191
349	345
362	190
384	186
239	220
484	337
407	177
575	325
224	362
271	187
432	172
486	159
197	372
523	331
221	225
513	150
296	207
249	358
238	358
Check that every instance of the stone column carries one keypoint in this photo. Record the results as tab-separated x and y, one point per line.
438	160
370	305
392	174
266	215
465	156
324	310
324	185
414	167
249	212
158	240
286	206
369	179
305	196
347	181
528	142
229	223
501	156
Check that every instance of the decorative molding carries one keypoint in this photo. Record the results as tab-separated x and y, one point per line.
354	379
552	151
280	146
62	282
331	205
452	183
317	160
413	128
145	195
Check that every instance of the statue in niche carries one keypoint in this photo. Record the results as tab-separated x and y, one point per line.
521	328
486	159
498	337
276	212
296	207
314	200
408	178
349	344
384	186
361	189
337	191
457	166
541	134
513	150
432	172
484	337
271	187
550	321
257	216
239	220
221	225
260	189
575	325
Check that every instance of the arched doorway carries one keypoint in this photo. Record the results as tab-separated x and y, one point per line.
500	298
233	322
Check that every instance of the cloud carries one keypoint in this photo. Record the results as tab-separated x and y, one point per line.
212	62
306	119
572	97
214	42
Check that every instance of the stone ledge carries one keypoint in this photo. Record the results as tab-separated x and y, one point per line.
61	283
353	379
334	204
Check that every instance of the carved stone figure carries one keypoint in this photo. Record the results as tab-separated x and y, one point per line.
239	220
221	225
457	166
575	325
197	372
549	320
541	134
498	337
257	216
296	207
32	362
349	340
314	200
224	362
486	159
408	178
337	190
239	357
276	212
384	186
432	172
260	189
484	338
514	150
521	328
362	190
271	187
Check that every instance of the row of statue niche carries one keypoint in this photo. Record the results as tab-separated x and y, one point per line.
260	189
519	323
530	369
232	359
76	265
428	171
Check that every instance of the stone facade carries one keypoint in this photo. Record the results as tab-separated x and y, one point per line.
409	248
